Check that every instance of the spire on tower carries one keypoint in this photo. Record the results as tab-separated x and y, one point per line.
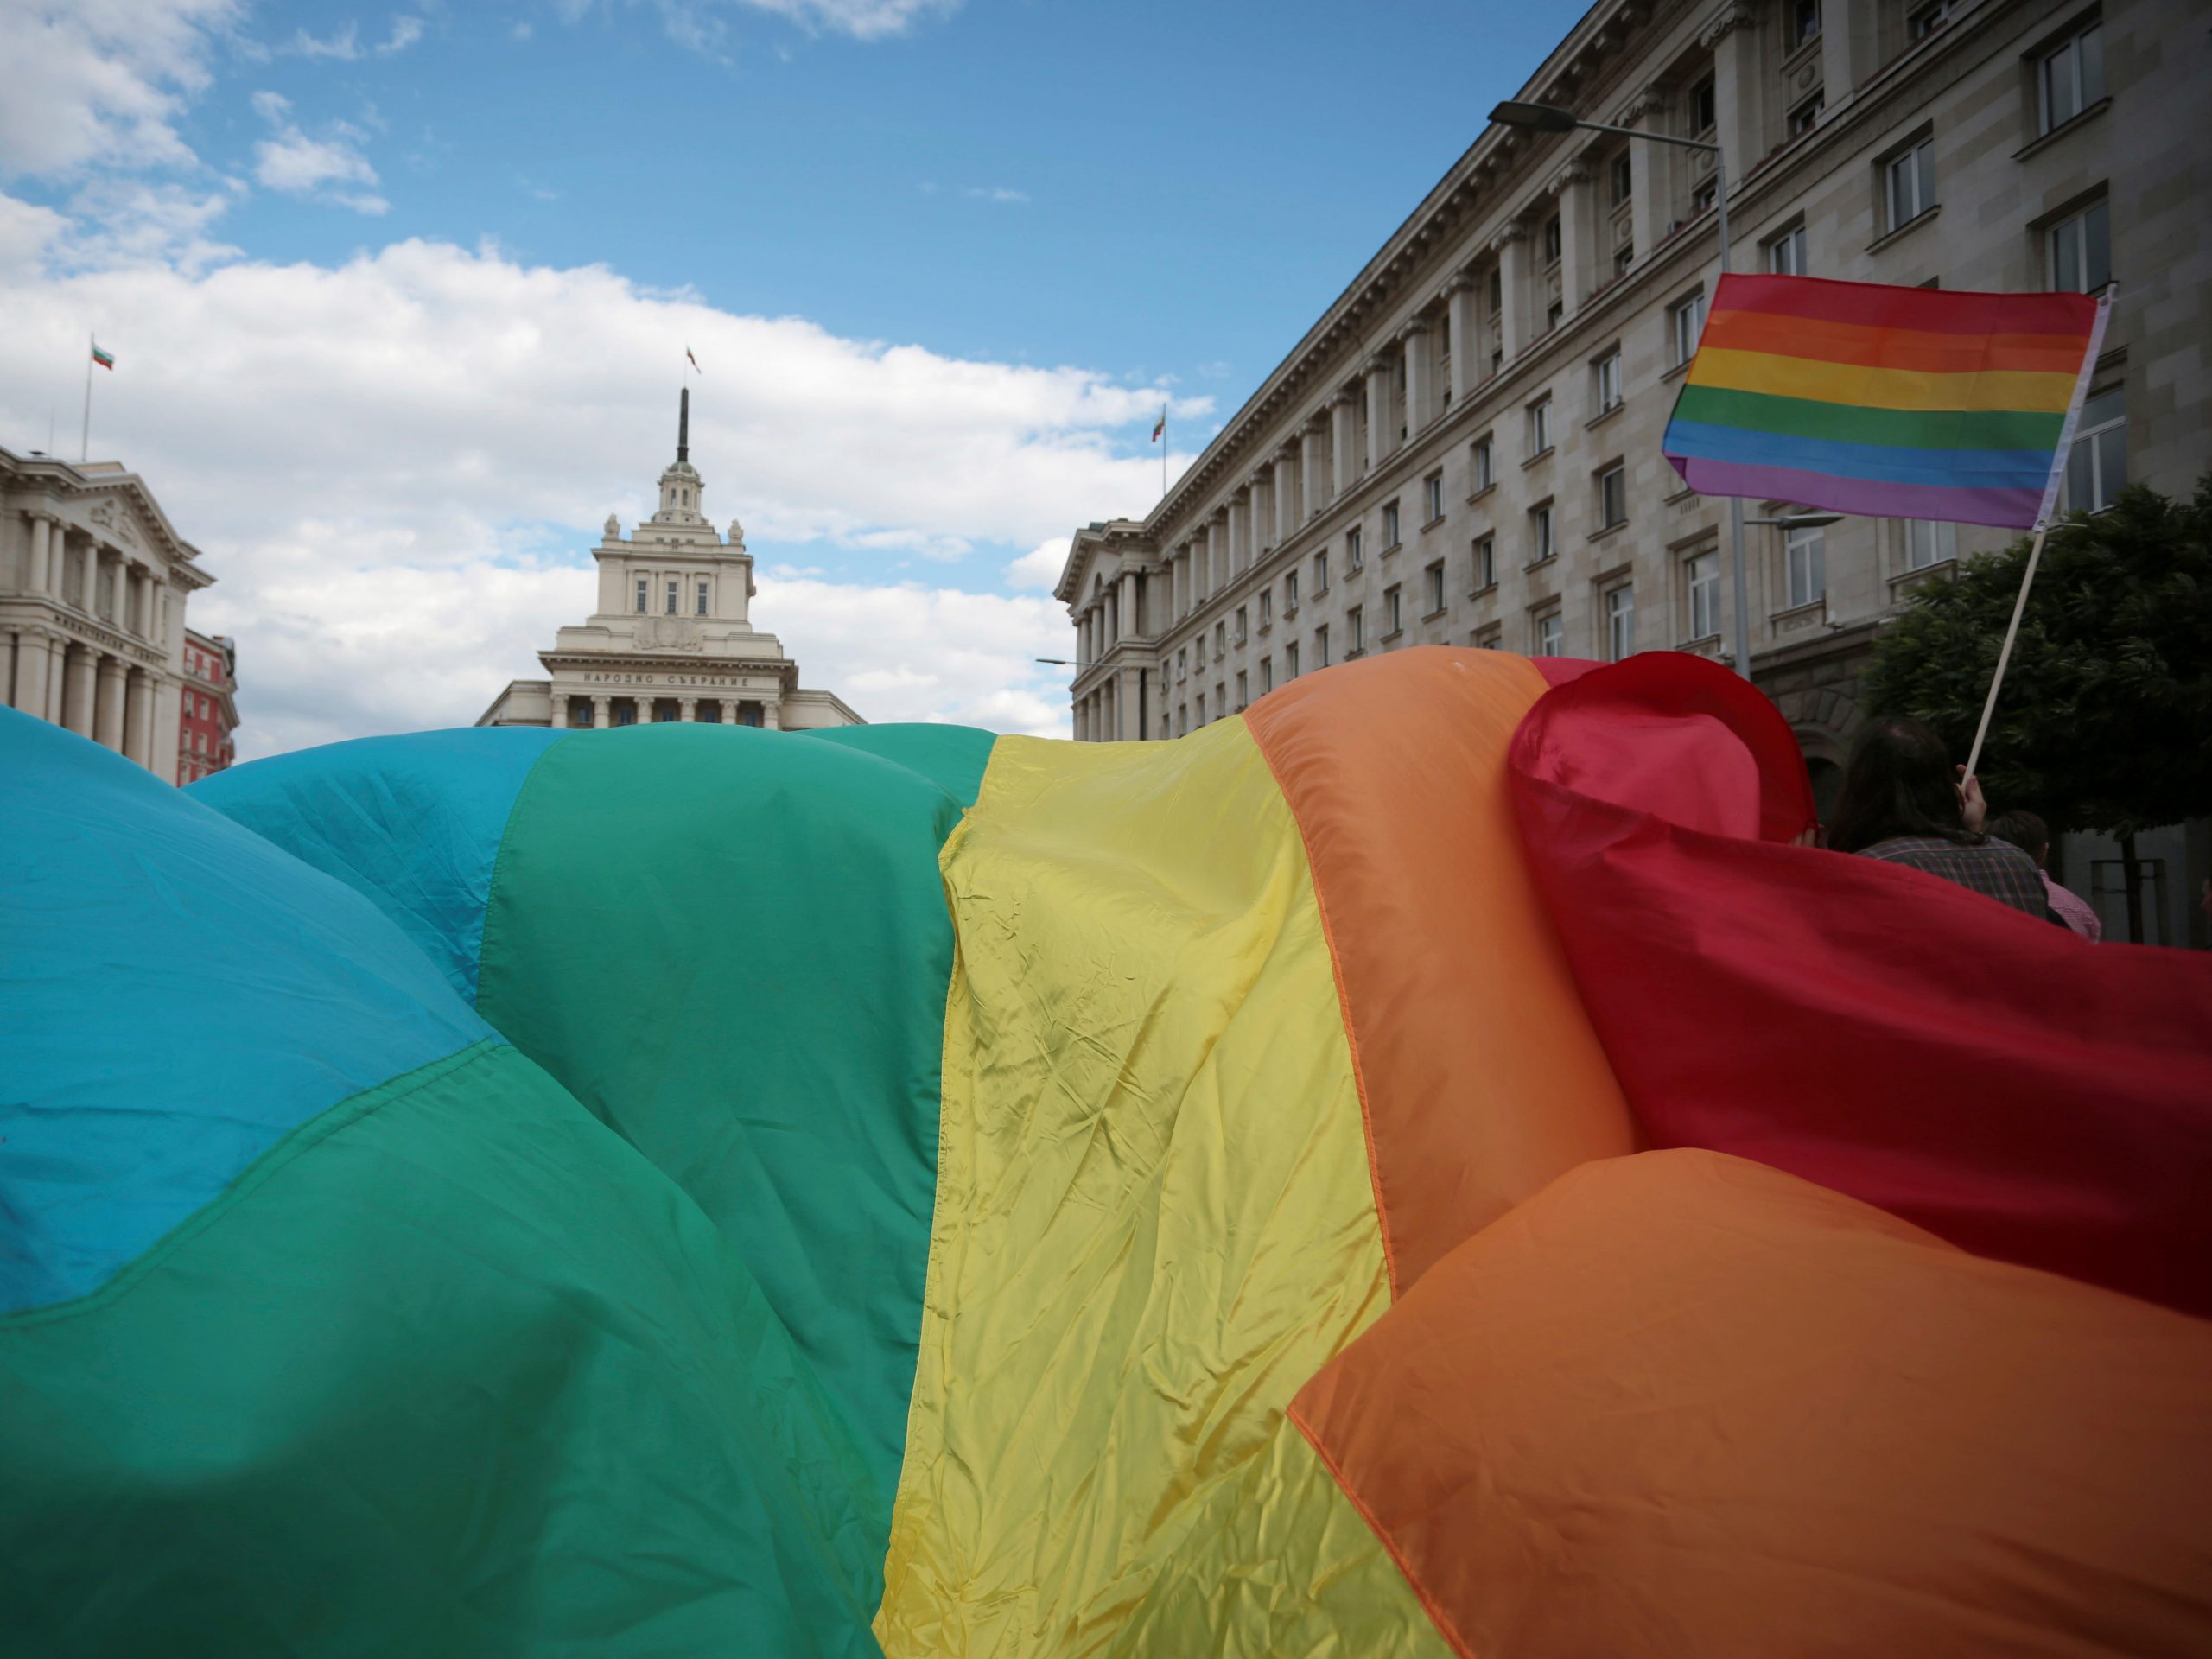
683	427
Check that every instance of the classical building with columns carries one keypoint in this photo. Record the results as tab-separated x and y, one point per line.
671	637
94	581
1465	447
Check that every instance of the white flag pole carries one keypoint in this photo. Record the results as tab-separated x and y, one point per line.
85	439
2043	515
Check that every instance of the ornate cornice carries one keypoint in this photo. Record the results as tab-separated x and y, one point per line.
1733	15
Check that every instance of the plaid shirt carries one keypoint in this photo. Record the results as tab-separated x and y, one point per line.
1995	869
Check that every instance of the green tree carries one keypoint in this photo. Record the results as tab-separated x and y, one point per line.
2105	722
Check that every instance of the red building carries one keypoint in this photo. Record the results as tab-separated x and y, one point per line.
210	706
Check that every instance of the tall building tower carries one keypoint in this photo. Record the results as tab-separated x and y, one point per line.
672	637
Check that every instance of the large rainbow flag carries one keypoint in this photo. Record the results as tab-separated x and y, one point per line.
1896	403
1423	1167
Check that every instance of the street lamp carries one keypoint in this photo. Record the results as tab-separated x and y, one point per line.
1546	117
1065	662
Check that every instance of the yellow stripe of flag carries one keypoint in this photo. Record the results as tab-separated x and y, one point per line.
1862	387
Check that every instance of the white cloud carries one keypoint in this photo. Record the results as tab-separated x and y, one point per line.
296	165
1041	565
345	45
395	467
698	25
996	193
101	81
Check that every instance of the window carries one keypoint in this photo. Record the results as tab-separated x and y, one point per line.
699	598
1432	496
1485	562
1704	112
1321	566
1701	576
1266	607
1482	466
643	590
1241	635
1220	700
1551	240
1804	553
1290	660
1923	21
1622	179
1432	580
1394	613
1555	313
1202	708
1541	546
1290	594
1220	640
1497	290
1182	718
1785	255
1267	675
1928	542
1807	116
1704	196
1624	257
1540	426
1490	638
1182	666
1620	622
1606	374
1909	187
2096	471
1321	646
1804	22
1550	635
673	584
1355	631
2070	77
2080	250
1242	698
1612	496
1684	322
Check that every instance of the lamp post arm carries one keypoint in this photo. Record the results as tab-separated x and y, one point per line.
1654	137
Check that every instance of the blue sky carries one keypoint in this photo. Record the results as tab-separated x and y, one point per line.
400	296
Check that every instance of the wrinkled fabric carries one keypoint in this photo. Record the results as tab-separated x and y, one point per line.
1153	1216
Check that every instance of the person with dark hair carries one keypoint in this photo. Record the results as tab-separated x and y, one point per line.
2032	837
1903	802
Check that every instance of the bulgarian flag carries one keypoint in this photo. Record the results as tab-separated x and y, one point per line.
1162	425
105	359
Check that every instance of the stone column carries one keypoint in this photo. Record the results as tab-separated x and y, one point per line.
37	580
1647	172
1467	353
81	672
771	720
560	711
1344	433
1412	340
1238	537
33	667
1287	515
1381	439
601	715
57	679
1511	245
107	718
645	702
1262	512
687	709
1740	87
1849	54
1313	469
1132	624
1577	244
138	717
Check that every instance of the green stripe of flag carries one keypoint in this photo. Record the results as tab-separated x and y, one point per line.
1804	417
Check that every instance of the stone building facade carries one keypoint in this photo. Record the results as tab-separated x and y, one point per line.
94	581
1465	447
671	637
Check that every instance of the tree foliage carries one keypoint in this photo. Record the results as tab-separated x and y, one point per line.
2105	722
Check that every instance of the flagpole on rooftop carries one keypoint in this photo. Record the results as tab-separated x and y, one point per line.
85	439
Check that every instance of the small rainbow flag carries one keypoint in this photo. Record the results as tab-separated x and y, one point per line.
1895	403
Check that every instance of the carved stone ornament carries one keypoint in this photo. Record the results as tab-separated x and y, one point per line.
1508	233
669	634
1733	15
